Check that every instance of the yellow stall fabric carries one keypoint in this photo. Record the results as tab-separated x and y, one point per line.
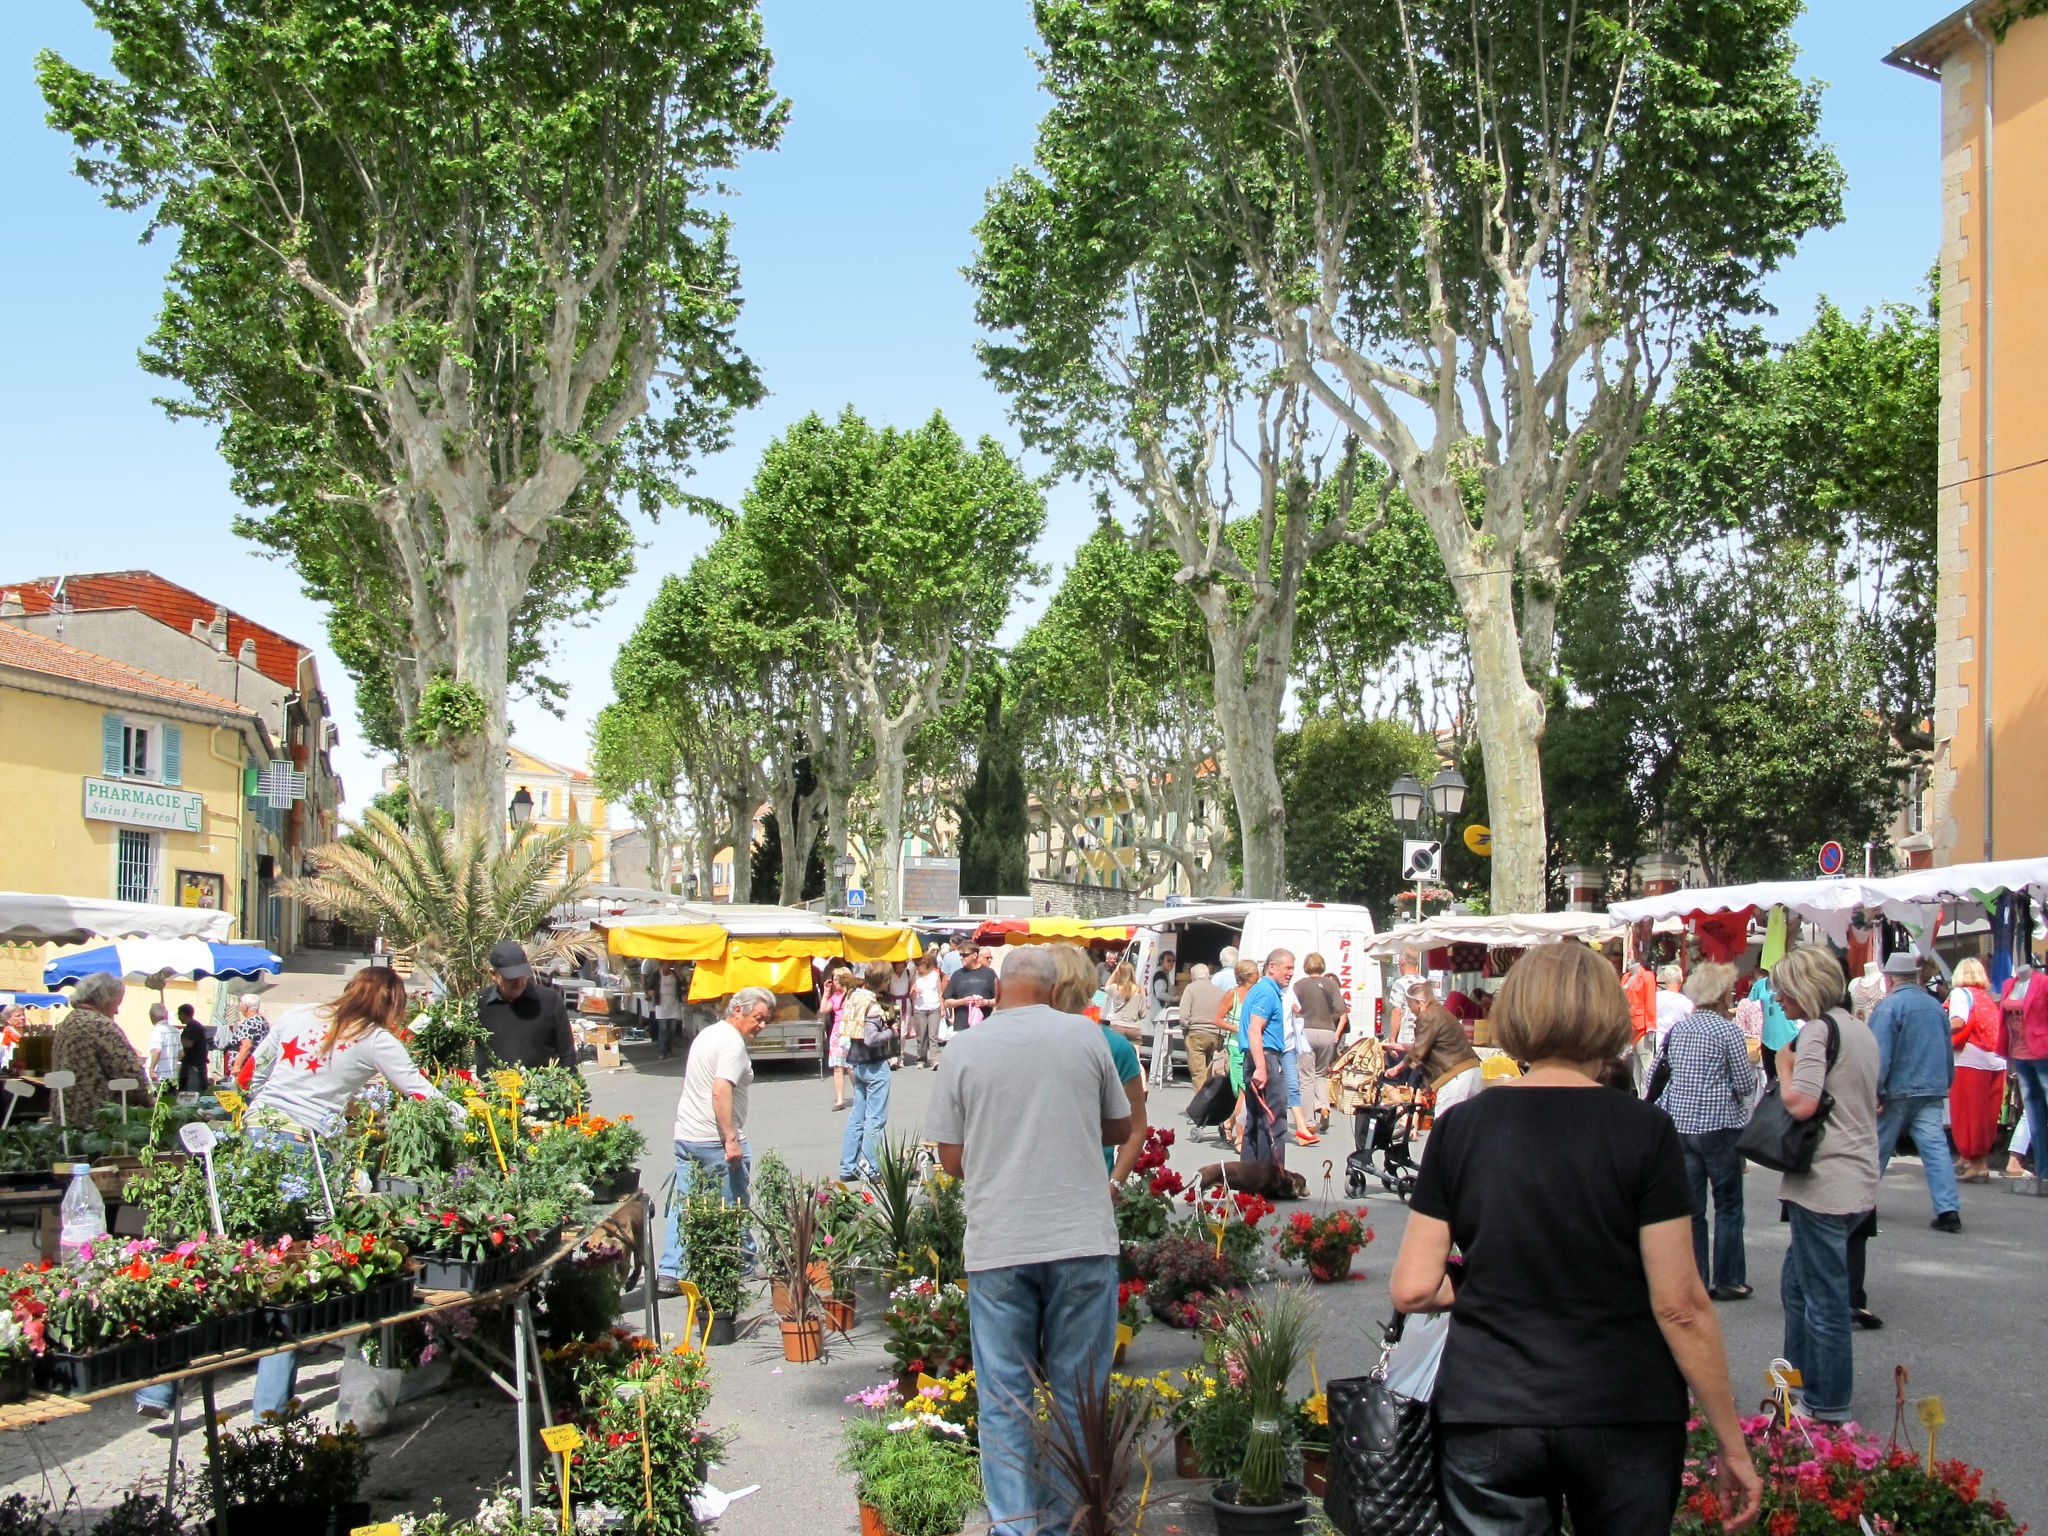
667	941
719	978
877	941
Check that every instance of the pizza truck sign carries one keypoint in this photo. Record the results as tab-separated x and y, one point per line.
144	805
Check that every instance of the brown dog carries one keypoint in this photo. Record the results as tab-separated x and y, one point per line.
627	1228
1267	1179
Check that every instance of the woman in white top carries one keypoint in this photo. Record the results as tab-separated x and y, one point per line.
315	1059
927	994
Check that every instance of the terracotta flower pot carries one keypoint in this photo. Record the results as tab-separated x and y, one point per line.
871	1521
839	1314
778	1290
801	1342
1337	1269
1184	1462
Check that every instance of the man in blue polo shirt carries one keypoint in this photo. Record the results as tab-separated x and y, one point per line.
1262	1032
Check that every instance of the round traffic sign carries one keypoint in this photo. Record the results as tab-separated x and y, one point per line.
1480	840
1831	858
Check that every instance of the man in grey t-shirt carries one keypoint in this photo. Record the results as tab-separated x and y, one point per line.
1022	1108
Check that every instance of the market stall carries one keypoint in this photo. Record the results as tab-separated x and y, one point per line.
749	946
1050	930
37	917
1507	930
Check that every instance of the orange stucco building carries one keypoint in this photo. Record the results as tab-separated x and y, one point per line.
1991	637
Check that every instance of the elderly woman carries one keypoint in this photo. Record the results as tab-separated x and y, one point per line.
91	1046
1707	1095
1978	1092
1830	1069
1578	1319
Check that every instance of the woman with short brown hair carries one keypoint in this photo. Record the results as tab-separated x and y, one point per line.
1577	1317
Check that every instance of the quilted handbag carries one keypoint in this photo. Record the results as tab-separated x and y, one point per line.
1382	1478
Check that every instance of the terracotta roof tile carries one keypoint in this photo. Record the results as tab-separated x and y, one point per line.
53	658
277	657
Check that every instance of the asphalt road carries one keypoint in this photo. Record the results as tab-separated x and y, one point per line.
1962	1313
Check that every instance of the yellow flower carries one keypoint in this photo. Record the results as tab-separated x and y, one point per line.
1318	1407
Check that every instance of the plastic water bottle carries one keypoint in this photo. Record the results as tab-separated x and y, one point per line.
83	1216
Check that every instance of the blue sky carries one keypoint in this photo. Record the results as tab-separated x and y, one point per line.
850	237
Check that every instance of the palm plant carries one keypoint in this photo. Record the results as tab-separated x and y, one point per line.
445	894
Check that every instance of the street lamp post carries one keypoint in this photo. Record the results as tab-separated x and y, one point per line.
1427	811
520	812
842	872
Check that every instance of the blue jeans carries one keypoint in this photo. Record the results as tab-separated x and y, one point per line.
867	1121
277	1383
2032	1078
709	1154
1053	1322
1922	1112
1814	1290
1712	1160
1293	1071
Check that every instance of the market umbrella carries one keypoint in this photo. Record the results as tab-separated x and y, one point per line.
33	999
148	958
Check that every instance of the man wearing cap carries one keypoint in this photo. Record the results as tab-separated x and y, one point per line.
528	1020
1915	1066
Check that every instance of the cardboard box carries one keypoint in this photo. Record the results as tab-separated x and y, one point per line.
607	1055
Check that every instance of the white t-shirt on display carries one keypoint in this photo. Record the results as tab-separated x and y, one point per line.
719	1053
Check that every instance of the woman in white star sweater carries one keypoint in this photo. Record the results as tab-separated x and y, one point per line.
316	1058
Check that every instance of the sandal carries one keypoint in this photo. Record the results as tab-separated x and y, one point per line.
1310	1140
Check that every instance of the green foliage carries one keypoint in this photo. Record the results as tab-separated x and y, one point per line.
1731	711
578	1299
994	813
264	1192
448	1035
923	1481
554	1092
1342	841
448	284
420	1138
290	1461
448	711
938	1229
447	893
714	1235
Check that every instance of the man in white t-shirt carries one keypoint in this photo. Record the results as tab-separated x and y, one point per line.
711	1117
163	1045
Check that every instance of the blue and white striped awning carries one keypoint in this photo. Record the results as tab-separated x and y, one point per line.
145	958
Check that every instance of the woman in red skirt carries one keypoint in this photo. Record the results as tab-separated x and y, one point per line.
1979	1089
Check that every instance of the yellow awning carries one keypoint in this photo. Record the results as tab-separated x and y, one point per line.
667	941
877	941
717	978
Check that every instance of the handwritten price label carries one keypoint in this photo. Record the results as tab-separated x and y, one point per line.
1932	1415
381	1528
231	1102
561	1439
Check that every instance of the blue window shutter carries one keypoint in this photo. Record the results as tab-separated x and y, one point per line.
174	755
110	746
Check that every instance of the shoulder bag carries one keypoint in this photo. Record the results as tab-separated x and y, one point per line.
1774	1138
1382	1479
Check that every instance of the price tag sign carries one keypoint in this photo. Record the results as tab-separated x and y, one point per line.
1124	1334
561	1439
1931	1413
924	1382
508	1080
229	1100
381	1528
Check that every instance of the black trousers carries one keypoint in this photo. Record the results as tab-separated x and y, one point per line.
1265	1127
1514	1480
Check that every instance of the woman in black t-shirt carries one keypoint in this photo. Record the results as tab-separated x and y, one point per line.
1577	1315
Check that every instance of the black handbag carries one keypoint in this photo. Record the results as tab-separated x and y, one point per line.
1214	1102
1382	1477
1773	1138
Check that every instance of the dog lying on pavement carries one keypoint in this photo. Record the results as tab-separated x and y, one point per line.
1267	1179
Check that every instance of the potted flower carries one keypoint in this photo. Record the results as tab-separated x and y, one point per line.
1131	1314
794	1268
17	1358
925	1330
287	1474
1144	1201
1312	1433
1183	1274
844	1236
1821	1478
1326	1243
1262	1346
329	1281
914	1474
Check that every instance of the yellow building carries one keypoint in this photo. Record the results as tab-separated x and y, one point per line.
1991	661
558	795
115	782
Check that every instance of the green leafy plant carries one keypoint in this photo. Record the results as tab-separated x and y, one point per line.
613	1381
289	1460
290	1270
265	1192
1090	1442
445	1036
938	1229
894	1187
917	1472
793	1250
555	1093
420	1138
714	1235
1263	1346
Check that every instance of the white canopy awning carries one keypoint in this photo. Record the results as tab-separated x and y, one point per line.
37	917
1518	929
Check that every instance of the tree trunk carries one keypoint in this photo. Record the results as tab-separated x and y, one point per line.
486	584
891	769
739	810
1248	713
1510	718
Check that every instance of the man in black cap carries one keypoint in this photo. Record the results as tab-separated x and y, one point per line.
528	1020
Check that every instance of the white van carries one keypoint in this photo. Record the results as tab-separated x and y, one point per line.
1199	932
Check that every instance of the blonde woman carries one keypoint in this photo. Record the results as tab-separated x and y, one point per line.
1979	1089
1129	1004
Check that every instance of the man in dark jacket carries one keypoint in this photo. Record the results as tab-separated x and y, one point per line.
528	1020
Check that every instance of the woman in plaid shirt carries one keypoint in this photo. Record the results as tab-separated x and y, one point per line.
1708	1095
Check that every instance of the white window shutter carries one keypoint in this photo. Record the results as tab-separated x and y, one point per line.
174	755
110	746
